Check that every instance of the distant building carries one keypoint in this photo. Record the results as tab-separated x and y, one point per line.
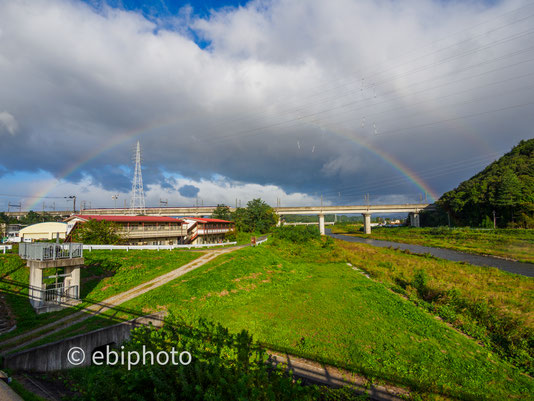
208	231
140	230
11	232
43	231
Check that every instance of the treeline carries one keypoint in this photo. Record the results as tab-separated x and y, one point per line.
257	217
503	191
30	218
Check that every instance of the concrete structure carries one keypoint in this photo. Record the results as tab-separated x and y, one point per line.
414	219
366	223
43	231
326	223
53	356
66	259
208	210
365	210
59	213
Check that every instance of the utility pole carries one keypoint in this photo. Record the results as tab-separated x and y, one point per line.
115	197
494	220
73	197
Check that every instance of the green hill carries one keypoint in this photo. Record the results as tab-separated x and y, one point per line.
506	186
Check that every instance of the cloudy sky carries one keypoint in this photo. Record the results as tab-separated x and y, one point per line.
278	99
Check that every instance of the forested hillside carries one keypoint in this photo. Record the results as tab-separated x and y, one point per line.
505	187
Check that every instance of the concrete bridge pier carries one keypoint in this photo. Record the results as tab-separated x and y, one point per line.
414	220
367	223
321	224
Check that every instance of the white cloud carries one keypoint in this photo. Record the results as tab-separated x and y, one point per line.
276	73
8	123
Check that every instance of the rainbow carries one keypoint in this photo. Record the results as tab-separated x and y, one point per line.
386	157
144	130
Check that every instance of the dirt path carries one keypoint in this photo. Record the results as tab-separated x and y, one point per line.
318	373
32	336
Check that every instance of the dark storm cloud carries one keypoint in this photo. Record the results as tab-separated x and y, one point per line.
316	108
189	191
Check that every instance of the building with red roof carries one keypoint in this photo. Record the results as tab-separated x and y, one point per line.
160	230
140	230
208	231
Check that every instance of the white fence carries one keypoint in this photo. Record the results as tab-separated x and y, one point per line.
5	247
153	247
261	241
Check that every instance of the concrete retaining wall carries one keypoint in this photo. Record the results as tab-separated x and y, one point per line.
53	356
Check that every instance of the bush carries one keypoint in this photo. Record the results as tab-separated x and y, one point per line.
297	234
419	282
224	366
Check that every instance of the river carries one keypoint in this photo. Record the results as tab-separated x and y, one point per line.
525	269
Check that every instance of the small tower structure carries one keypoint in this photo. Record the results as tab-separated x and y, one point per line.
137	201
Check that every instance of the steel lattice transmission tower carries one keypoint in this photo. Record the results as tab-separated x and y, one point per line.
137	201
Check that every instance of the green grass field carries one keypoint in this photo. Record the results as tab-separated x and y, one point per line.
307	301
517	244
106	273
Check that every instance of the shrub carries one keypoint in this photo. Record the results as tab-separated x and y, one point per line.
419	282
224	366
297	234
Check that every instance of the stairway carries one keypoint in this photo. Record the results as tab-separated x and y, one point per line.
7	323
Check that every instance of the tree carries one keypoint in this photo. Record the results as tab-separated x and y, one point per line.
222	212
98	232
258	216
239	217
508	190
506	186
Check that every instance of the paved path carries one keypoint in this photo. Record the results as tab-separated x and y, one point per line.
98	308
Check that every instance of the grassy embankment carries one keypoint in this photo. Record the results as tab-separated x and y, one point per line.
516	244
306	300
106	273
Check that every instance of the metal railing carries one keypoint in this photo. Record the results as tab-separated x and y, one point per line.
53	293
58	293
49	251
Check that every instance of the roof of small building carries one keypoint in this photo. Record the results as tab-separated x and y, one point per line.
204	220
48	226
127	219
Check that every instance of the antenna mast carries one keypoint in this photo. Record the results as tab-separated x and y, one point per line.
137	202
